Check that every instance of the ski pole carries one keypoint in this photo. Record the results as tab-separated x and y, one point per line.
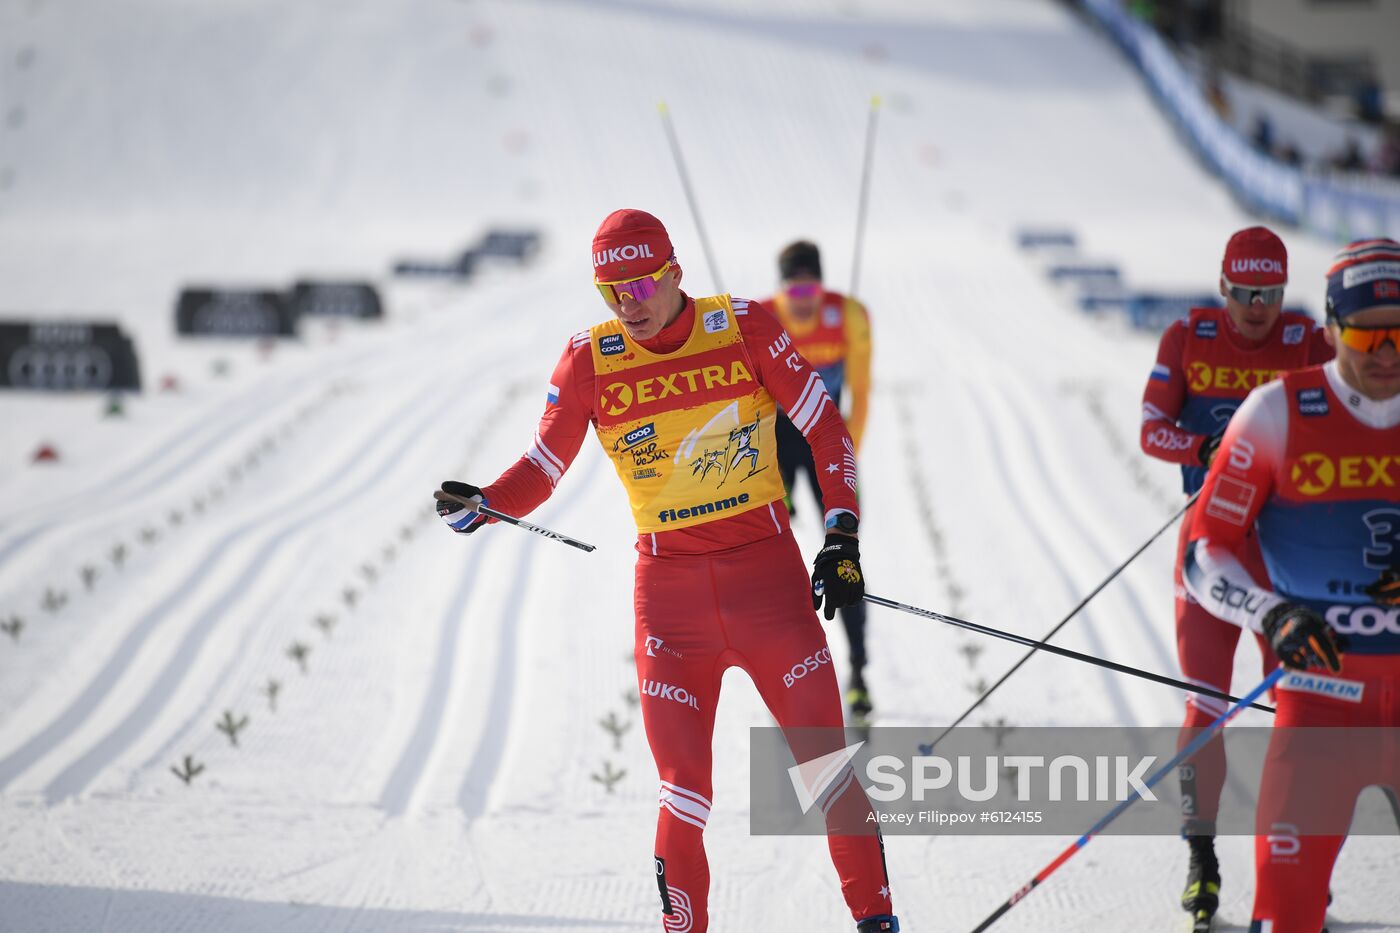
864	191
1070	615
444	496
689	194
1190	749
1062	652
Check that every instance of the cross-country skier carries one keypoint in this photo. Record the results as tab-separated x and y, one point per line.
742	440
1311	465
719	578
832	332
1206	364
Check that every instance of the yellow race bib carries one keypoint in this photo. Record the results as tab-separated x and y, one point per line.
691	432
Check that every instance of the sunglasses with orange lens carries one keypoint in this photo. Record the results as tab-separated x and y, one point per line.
1368	339
639	289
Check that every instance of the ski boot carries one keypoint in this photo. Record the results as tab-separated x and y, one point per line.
858	700
885	923
1201	899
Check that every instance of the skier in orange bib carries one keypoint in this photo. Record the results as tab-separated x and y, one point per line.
832	332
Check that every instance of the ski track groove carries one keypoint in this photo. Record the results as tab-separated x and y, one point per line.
397	797
474	791
1013	381
1058	489
416	762
76	714
286	389
1031	430
390	373
231	671
109	491
77	775
1032	523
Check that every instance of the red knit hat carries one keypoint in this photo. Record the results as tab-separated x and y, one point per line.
629	243
1255	256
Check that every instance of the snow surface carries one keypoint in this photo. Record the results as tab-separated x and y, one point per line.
431	769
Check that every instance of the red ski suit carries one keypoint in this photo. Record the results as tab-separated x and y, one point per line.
1204	370
730	587
1311	467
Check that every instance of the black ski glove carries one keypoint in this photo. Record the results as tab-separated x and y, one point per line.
1208	448
458	517
1300	637
1386	590
836	575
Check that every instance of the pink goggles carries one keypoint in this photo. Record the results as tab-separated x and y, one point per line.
638	289
803	290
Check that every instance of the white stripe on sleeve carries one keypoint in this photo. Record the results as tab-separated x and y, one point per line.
542	457
811	403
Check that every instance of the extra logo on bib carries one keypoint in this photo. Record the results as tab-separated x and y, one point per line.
683	388
1315	473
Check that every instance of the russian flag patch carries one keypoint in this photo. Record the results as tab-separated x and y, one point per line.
552	396
1160	373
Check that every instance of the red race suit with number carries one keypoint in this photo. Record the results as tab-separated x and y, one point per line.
687	419
1313	467
1204	370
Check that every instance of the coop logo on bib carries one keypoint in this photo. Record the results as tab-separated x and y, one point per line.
1312	403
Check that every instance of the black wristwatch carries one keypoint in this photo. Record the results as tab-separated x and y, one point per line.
844	522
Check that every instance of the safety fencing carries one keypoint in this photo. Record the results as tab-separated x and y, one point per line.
1337	207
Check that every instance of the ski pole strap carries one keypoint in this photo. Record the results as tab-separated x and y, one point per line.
518	523
1063	652
1190	749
